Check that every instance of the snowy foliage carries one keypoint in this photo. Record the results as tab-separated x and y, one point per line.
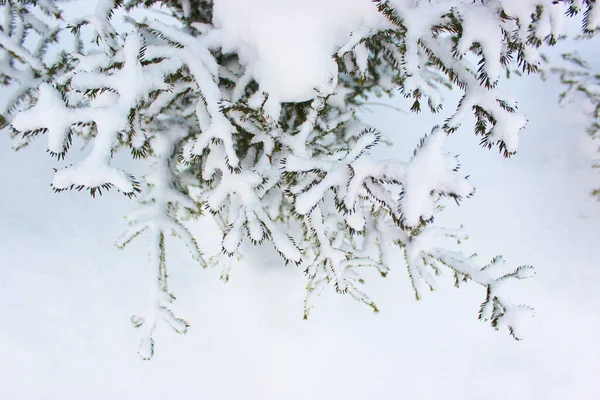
249	111
581	81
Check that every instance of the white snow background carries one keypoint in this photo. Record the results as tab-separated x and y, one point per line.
67	292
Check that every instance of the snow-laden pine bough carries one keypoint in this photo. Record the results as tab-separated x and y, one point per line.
249	112
582	82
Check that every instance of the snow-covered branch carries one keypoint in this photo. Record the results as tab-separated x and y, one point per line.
158	216
250	110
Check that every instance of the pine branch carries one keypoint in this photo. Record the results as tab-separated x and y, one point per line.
199	101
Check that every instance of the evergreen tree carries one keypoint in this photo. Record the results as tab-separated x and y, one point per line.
248	111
